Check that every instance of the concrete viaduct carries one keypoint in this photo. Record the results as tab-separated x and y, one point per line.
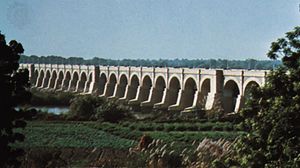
178	89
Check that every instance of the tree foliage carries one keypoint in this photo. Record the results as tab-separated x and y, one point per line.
13	92
178	63
272	117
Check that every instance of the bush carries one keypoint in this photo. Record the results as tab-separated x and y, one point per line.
110	111
83	107
40	98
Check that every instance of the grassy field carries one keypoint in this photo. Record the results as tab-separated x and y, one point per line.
70	134
66	134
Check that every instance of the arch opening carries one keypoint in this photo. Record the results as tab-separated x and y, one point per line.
46	79
59	80
205	90
81	82
102	82
160	86
52	79
66	80
230	95
134	84
174	88
190	89
74	81
111	85
40	79
122	86
247	93
88	83
146	87
34	78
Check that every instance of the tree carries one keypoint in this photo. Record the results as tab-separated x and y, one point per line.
272	117
13	85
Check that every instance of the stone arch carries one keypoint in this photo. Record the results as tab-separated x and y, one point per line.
158	92
52	79
172	78
247	89
66	80
237	82
204	91
46	79
145	88
111	85
74	80
34	78
189	78
123	82
231	93
58	83
102	82
251	80
40	78
134	85
173	90
81	82
188	95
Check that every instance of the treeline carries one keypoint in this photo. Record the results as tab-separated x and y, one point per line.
177	63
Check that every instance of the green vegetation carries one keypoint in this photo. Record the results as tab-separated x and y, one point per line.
54	98
89	107
196	63
70	134
13	93
272	115
185	134
84	107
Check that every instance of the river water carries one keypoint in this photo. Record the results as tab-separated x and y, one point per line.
51	109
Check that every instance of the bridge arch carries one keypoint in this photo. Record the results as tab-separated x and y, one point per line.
252	81
46	79
173	90
188	96
66	80
102	83
40	78
123	82
58	83
74	80
145	88
81	82
111	84
52	79
231	92
134	85
204	91
34	78
158	92
249	85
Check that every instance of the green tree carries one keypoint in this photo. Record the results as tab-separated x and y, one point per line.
272	117
83	107
13	92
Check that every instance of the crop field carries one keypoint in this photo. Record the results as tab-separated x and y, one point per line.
76	134
70	134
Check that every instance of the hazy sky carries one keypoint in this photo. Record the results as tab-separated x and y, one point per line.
150	29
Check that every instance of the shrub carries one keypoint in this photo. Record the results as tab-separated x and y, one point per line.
83	107
111	111
42	98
